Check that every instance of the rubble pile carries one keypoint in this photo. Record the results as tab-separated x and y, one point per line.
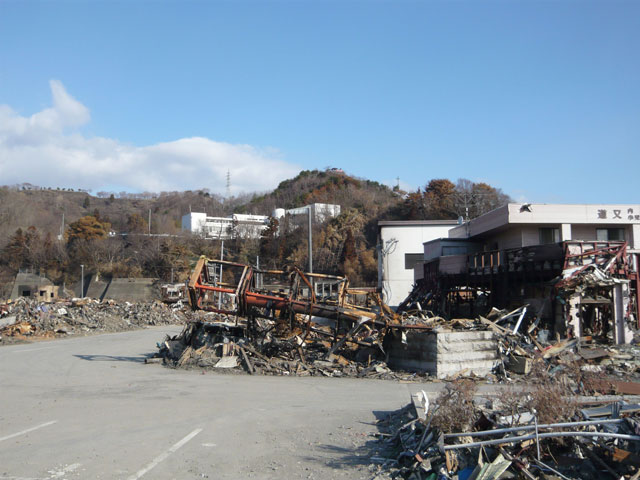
457	438
216	341
588	364
27	318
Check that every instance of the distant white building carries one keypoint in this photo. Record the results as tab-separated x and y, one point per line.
224	228
250	226
320	212
400	247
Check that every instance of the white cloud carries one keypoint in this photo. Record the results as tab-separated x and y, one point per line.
47	149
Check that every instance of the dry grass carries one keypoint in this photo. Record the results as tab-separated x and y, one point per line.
551	398
455	409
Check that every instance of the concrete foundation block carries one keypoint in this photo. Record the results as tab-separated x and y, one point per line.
443	354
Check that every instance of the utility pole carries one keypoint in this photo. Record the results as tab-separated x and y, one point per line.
221	258
310	241
149	222
82	281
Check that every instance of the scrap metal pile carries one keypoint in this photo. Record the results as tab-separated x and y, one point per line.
26	318
283	323
508	438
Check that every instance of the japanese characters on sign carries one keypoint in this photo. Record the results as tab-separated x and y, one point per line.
617	214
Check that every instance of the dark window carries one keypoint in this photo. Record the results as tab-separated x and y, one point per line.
453	251
411	259
549	235
610	234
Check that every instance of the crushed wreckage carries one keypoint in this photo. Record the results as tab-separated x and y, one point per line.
518	435
284	322
292	323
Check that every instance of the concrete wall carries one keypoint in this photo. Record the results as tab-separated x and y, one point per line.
132	290
448	246
398	239
120	289
443	354
519	235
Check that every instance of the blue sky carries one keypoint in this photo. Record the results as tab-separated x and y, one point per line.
541	99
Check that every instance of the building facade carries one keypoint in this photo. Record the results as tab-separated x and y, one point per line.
575	266
400	248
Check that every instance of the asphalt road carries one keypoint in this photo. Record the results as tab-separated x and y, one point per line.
91	408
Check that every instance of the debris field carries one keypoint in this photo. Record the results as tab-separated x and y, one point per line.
520	435
27	319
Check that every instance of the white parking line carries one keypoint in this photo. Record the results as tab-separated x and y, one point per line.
42	425
31	349
164	455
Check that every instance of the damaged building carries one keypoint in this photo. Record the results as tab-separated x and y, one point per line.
574	267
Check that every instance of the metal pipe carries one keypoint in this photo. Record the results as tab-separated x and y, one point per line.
310	242
485	433
500	441
544	465
535	419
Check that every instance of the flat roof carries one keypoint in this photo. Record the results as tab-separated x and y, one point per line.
408	223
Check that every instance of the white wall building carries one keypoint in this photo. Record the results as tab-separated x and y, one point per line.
224	228
250	226
517	251
524	224
320	212
400	247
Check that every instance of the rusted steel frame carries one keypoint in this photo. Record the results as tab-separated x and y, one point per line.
227	263
616	251
311	289
596	252
199	280
361	290
246	298
200	286
308	330
588	253
619	251
323	275
271	272
195	296
300	306
262	300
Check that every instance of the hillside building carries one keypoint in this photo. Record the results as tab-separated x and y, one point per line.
34	286
250	226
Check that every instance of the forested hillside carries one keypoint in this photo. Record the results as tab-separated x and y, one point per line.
108	232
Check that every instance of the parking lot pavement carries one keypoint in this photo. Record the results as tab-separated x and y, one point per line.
91	408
